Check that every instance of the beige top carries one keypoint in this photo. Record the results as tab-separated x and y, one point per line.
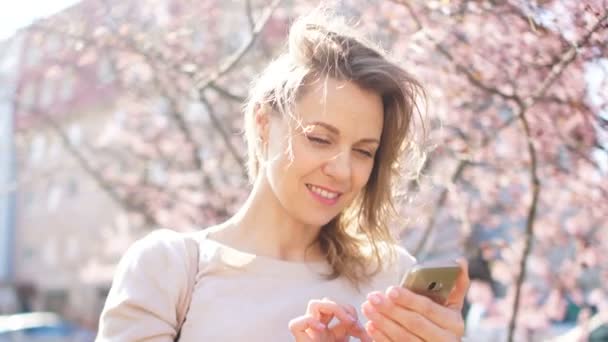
237	297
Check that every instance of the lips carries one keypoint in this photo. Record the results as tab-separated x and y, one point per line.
325	195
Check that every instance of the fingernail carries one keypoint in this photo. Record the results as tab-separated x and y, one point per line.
369	309
320	325
352	318
393	293
375	299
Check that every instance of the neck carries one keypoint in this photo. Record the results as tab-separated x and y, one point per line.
263	227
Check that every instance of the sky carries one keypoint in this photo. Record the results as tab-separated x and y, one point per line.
20	13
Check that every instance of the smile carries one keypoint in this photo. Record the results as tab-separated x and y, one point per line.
326	196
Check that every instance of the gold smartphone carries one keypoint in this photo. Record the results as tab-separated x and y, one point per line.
434	281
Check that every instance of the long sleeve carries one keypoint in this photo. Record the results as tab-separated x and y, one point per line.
149	284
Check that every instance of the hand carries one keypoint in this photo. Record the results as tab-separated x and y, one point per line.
314	326
401	315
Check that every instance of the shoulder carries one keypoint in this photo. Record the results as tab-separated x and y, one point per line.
396	258
157	264
391	254
395	262
160	240
149	285
157	248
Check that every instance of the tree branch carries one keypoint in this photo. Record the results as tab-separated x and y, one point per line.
93	172
470	74
185	129
567	58
231	61
249	11
218	124
428	229
530	220
227	94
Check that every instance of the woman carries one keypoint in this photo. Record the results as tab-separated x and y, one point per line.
309	255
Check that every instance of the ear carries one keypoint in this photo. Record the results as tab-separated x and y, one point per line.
262	122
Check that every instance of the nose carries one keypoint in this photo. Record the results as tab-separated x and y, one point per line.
339	167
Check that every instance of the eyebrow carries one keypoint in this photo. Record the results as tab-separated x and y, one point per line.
337	132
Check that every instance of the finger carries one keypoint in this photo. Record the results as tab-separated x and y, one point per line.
359	332
324	316
351	310
327	316
325	310
444	317
299	326
458	293
343	332
349	328
313	309
375	333
399	329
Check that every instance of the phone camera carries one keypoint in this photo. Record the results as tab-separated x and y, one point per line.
434	286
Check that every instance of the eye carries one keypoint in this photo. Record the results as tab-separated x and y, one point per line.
318	140
365	153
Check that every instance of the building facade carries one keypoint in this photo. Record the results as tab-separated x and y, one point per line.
66	234
9	76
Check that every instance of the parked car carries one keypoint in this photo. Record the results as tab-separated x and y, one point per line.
41	327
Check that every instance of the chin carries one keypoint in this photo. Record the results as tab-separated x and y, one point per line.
317	220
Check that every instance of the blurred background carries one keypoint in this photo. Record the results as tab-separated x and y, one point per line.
121	117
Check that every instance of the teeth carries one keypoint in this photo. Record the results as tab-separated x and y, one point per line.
322	193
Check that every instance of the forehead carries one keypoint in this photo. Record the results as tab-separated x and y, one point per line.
355	112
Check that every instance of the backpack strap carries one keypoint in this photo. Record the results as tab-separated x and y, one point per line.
192	256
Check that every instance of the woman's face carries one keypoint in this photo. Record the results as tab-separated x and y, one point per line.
333	146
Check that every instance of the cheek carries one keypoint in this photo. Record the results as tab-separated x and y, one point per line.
361	174
305	156
286	168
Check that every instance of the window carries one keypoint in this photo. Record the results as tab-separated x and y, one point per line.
11	52
55	300
27	198
66	91
72	248
37	148
33	56
75	134
53	150
47	93
54	198
28	96
50	253
120	118
72	188
53	44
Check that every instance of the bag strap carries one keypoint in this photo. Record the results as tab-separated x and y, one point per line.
192	253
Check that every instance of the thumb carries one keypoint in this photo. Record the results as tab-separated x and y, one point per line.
456	297
359	332
300	326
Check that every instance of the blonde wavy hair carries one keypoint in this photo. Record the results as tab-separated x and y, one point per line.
322	45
